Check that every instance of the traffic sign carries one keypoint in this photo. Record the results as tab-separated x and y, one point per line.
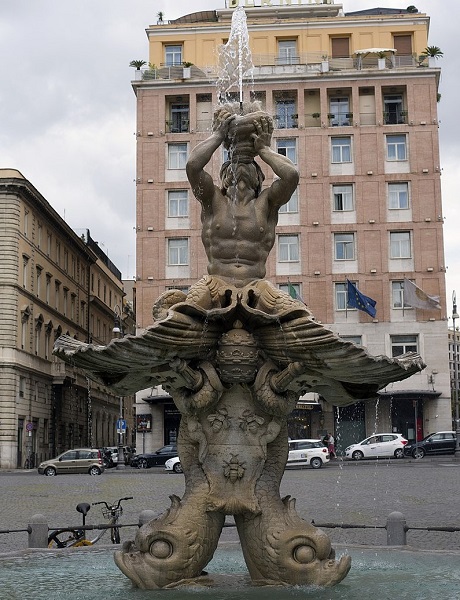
29	426
121	426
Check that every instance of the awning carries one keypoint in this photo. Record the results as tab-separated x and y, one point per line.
375	51
410	394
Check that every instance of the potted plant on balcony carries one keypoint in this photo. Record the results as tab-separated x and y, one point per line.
381	60
324	64
187	70
137	64
433	53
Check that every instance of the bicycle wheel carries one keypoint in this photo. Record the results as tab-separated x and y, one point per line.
115	535
64	538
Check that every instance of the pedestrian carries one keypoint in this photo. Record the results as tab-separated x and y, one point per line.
328	441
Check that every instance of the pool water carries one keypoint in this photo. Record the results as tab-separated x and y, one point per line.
91	574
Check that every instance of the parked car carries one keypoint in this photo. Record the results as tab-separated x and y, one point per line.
80	460
378	445
304	453
173	465
442	442
154	459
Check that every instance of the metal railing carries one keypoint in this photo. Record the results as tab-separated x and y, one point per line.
395	526
269	64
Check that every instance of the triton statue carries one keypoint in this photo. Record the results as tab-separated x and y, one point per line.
235	353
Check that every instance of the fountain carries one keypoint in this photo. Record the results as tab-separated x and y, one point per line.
235	353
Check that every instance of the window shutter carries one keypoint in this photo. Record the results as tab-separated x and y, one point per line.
340	47
403	44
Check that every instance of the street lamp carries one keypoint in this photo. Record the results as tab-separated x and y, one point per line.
455	316
118	332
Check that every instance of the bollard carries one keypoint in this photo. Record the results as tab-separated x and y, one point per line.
38	532
145	516
396	529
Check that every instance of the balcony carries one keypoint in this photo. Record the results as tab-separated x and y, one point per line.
340	119
307	64
177	126
398	117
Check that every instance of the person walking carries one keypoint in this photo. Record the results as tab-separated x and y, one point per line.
329	442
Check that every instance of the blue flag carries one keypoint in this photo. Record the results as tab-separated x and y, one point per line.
360	301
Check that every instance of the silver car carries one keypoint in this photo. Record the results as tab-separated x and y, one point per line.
80	460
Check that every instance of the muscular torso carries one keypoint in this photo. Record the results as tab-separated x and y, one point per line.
238	235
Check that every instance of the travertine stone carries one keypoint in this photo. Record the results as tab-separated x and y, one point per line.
235	354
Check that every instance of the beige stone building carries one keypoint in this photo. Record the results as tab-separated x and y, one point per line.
52	282
354	102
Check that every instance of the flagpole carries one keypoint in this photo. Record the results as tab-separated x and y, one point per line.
404	279
346	298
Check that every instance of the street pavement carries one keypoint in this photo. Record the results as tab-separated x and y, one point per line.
426	492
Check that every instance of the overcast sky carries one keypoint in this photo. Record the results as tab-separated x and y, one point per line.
68	111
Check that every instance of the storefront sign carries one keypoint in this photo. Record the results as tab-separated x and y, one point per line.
143	423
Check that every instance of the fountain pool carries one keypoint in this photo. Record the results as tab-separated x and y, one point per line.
91	574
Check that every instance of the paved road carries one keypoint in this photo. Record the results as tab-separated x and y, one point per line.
427	492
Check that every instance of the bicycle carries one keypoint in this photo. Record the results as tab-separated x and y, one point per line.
66	538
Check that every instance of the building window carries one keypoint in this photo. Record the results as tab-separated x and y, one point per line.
25	271
397	295
340	47
179	118
26	223
400	344
287	147
173	55
39	235
38	333
343	197
72	307
341	296
341	149
65	301
396	147
178	251
47	342
339	112
286	116
288	248
177	203
57	289
39	280
344	246
22	387
177	156
393	110
293	205
398	195
287	52
82	313
293	289
48	289
400	244
66	260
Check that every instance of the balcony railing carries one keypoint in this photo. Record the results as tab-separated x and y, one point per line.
395	118
270	64
177	126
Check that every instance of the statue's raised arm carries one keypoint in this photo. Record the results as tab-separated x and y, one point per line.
282	189
201	182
